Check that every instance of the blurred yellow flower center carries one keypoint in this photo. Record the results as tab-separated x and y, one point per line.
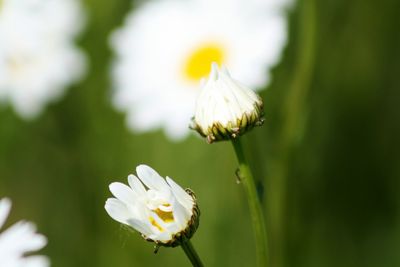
198	64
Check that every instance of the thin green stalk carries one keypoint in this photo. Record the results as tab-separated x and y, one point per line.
257	217
294	122
191	254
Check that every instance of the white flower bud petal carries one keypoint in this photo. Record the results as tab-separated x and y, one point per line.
225	108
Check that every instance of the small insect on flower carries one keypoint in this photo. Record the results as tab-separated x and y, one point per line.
18	240
158	208
226	109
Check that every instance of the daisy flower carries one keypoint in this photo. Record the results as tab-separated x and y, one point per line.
158	208
38	58
226	109
165	47
18	240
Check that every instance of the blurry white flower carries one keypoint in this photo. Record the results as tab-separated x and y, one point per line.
38	58
254	5
166	47
158	208
18	240
225	108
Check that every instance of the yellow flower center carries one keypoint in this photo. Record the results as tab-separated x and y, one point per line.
154	223
198	64
166	216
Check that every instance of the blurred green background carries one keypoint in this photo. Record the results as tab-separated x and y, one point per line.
328	156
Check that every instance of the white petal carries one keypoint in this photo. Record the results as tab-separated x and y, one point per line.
225	70
37	39
181	215
162	236
213	73
141	226
123	193
224	101
136	185
5	206
184	198
168	229
22	238
118	210
35	261
151	178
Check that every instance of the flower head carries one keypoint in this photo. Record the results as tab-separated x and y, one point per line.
158	208
18	240
38	57
225	108
166	47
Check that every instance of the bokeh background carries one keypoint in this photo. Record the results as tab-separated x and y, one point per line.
327	158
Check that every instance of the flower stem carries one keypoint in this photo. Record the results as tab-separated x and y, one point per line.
294	121
256	213
191	254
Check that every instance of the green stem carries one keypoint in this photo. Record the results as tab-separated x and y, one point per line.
294	123
257	217
191	254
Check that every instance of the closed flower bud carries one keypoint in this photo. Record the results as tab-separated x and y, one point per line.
226	109
158	208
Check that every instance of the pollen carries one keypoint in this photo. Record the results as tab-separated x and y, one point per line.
166	216
154	223
198	63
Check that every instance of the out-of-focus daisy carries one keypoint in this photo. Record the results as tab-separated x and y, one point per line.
268	6
38	58
18	240
158	208
166	47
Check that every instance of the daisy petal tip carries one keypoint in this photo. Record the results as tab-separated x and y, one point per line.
225	70
5	203
41	240
214	66
112	186
142	168
169	181
5	200
111	202
214	71
131	177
